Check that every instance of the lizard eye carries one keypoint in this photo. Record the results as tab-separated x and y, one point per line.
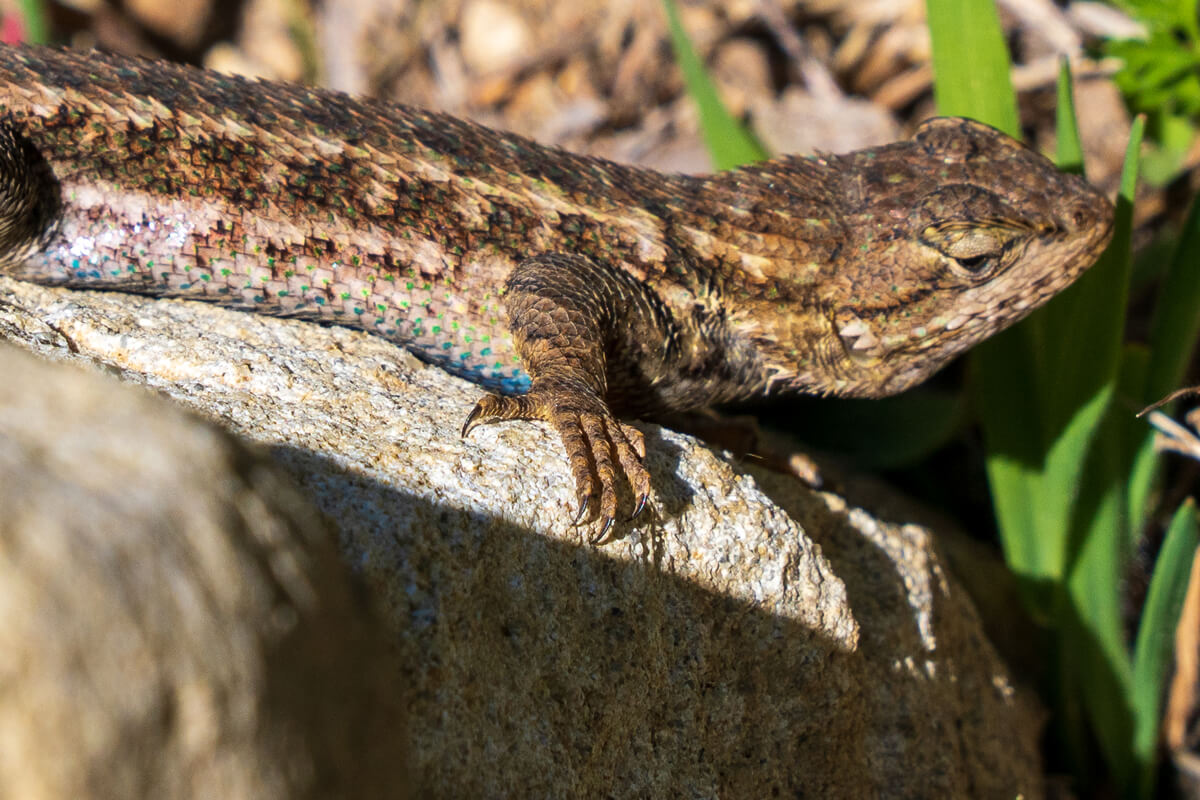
974	264
975	253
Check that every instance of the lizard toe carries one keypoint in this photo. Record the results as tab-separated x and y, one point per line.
497	408
630	446
604	453
601	445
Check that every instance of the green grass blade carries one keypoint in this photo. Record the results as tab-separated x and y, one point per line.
1176	321
1091	622
1155	639
1174	330
1069	152
1088	317
33	19
1040	403
729	143
971	68
971	64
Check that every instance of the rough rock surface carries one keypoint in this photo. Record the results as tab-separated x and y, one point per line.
751	639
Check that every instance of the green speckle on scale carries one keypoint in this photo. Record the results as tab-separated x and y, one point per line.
225	273
408	285
344	295
358	310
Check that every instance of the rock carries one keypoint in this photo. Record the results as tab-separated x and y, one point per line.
177	623
752	639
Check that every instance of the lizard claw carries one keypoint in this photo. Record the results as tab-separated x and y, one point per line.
472	419
602	536
640	507
582	512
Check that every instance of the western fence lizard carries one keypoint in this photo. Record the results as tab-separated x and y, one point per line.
573	289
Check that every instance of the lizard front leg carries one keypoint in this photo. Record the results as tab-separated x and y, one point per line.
566	315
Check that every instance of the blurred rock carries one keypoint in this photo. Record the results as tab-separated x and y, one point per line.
177	623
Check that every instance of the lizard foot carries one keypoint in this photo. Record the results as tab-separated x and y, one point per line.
600	448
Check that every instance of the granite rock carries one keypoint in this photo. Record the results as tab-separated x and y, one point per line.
750	638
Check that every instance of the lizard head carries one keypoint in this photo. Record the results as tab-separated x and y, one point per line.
952	237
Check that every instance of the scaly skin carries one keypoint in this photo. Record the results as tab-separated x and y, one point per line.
573	289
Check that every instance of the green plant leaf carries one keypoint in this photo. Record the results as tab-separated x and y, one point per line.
971	64
1155	640
729	143
1069	154
1174	329
33	19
